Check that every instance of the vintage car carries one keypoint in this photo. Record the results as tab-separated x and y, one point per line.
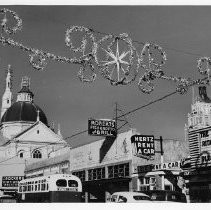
129	197
166	196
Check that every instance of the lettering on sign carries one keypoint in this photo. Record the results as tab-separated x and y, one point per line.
143	145
102	128
11	181
203	159
171	165
145	168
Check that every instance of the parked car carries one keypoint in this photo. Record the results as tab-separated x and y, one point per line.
7	199
129	197
166	196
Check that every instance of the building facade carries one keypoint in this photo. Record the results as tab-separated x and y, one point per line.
111	164
199	137
25	135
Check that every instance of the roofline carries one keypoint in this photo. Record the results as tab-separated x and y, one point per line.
19	134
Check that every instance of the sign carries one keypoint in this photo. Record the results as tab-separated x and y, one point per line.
102	128
11	181
205	148
145	168
167	166
143	145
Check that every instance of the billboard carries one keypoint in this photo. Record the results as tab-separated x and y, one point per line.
102	128
143	145
11	181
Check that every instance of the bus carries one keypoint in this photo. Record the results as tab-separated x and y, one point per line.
51	188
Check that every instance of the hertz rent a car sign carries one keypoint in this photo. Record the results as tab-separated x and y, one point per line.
143	145
102	128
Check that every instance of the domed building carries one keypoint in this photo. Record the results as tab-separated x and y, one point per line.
25	135
21	114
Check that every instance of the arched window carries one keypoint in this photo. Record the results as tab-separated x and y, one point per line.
20	154
36	154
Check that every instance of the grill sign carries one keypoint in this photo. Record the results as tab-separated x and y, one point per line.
143	145
11	181
102	128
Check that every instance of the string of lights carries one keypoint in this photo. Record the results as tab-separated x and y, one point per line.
120	68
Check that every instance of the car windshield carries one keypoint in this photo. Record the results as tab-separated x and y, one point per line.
175	198
158	197
140	197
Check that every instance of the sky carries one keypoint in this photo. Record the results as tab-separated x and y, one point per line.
182	31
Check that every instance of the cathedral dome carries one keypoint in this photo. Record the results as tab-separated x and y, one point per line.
24	111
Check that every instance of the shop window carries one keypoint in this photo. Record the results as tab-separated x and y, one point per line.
116	171
167	187
147	180
144	183
20	189
96	174
36	154
141	180
80	175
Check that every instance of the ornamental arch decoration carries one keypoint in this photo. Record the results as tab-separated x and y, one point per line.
115	57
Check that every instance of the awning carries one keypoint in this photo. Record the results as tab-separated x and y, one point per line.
163	172
153	173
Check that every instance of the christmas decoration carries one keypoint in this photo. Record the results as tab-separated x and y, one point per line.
115	56
4	21
116	62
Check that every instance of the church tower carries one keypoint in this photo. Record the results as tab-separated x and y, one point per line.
7	96
25	94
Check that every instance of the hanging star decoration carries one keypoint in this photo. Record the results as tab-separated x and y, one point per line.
115	56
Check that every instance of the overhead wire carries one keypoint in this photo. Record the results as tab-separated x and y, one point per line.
134	110
127	113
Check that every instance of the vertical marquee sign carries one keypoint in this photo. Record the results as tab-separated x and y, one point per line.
205	146
143	145
102	128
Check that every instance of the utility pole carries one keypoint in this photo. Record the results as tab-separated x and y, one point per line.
161	161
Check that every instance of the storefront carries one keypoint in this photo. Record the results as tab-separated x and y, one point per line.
163	176
114	164
200	171
12	171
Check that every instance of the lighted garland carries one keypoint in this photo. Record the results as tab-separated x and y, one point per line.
4	26
147	51
40	63
82	77
114	60
146	59
145	84
205	71
152	68
82	47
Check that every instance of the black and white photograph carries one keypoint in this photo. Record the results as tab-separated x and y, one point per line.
105	103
